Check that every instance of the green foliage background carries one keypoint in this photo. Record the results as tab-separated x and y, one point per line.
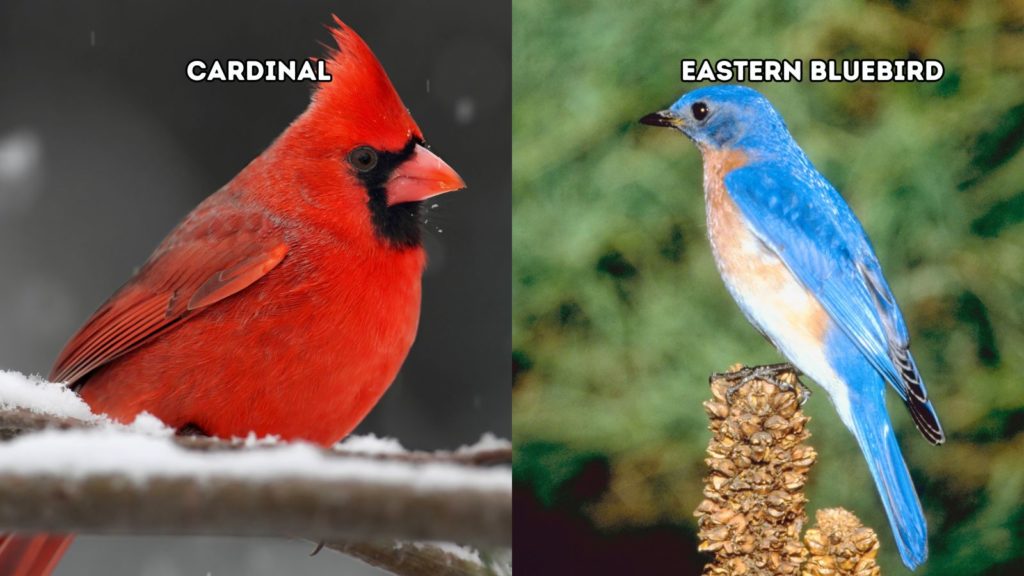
619	314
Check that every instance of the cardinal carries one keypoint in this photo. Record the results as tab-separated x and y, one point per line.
287	301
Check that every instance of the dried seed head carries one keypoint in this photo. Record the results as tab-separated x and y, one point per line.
840	546
753	508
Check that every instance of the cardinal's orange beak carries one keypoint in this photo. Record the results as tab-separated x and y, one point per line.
421	176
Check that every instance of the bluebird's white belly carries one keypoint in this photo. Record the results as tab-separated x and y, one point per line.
769	295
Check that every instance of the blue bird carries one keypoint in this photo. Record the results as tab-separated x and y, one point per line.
798	263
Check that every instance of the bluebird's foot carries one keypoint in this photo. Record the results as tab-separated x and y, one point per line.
768	373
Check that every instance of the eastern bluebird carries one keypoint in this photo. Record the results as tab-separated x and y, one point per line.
798	263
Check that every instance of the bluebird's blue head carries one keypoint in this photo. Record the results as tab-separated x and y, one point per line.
724	116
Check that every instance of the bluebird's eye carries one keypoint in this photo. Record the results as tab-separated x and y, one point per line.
363	158
700	110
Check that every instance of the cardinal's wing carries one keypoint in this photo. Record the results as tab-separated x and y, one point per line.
209	257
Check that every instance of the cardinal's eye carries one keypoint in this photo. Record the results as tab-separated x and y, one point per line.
363	158
700	110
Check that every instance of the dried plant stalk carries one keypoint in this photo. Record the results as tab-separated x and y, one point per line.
841	546
753	508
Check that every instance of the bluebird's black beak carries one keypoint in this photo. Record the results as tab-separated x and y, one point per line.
664	118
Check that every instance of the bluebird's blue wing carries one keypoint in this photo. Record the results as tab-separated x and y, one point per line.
802	218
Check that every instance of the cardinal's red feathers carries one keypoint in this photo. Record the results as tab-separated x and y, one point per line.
287	301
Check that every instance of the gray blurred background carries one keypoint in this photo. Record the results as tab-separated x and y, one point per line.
105	145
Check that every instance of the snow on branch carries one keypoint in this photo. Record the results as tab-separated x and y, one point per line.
426	558
40	397
31	405
63	468
489	451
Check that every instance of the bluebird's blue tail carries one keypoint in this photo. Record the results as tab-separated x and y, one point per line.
874	433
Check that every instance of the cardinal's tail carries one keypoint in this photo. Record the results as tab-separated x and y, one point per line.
874	433
31	554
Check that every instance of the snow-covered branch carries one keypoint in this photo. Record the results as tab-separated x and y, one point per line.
489	451
65	469
117	481
426	558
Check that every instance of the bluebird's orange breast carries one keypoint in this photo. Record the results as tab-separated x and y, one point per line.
766	290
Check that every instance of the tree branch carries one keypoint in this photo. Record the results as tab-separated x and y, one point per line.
416	559
115	504
71	472
111	480
18	421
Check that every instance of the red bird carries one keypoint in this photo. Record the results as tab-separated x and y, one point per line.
287	301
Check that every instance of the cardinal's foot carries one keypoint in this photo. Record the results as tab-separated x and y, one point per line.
191	430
